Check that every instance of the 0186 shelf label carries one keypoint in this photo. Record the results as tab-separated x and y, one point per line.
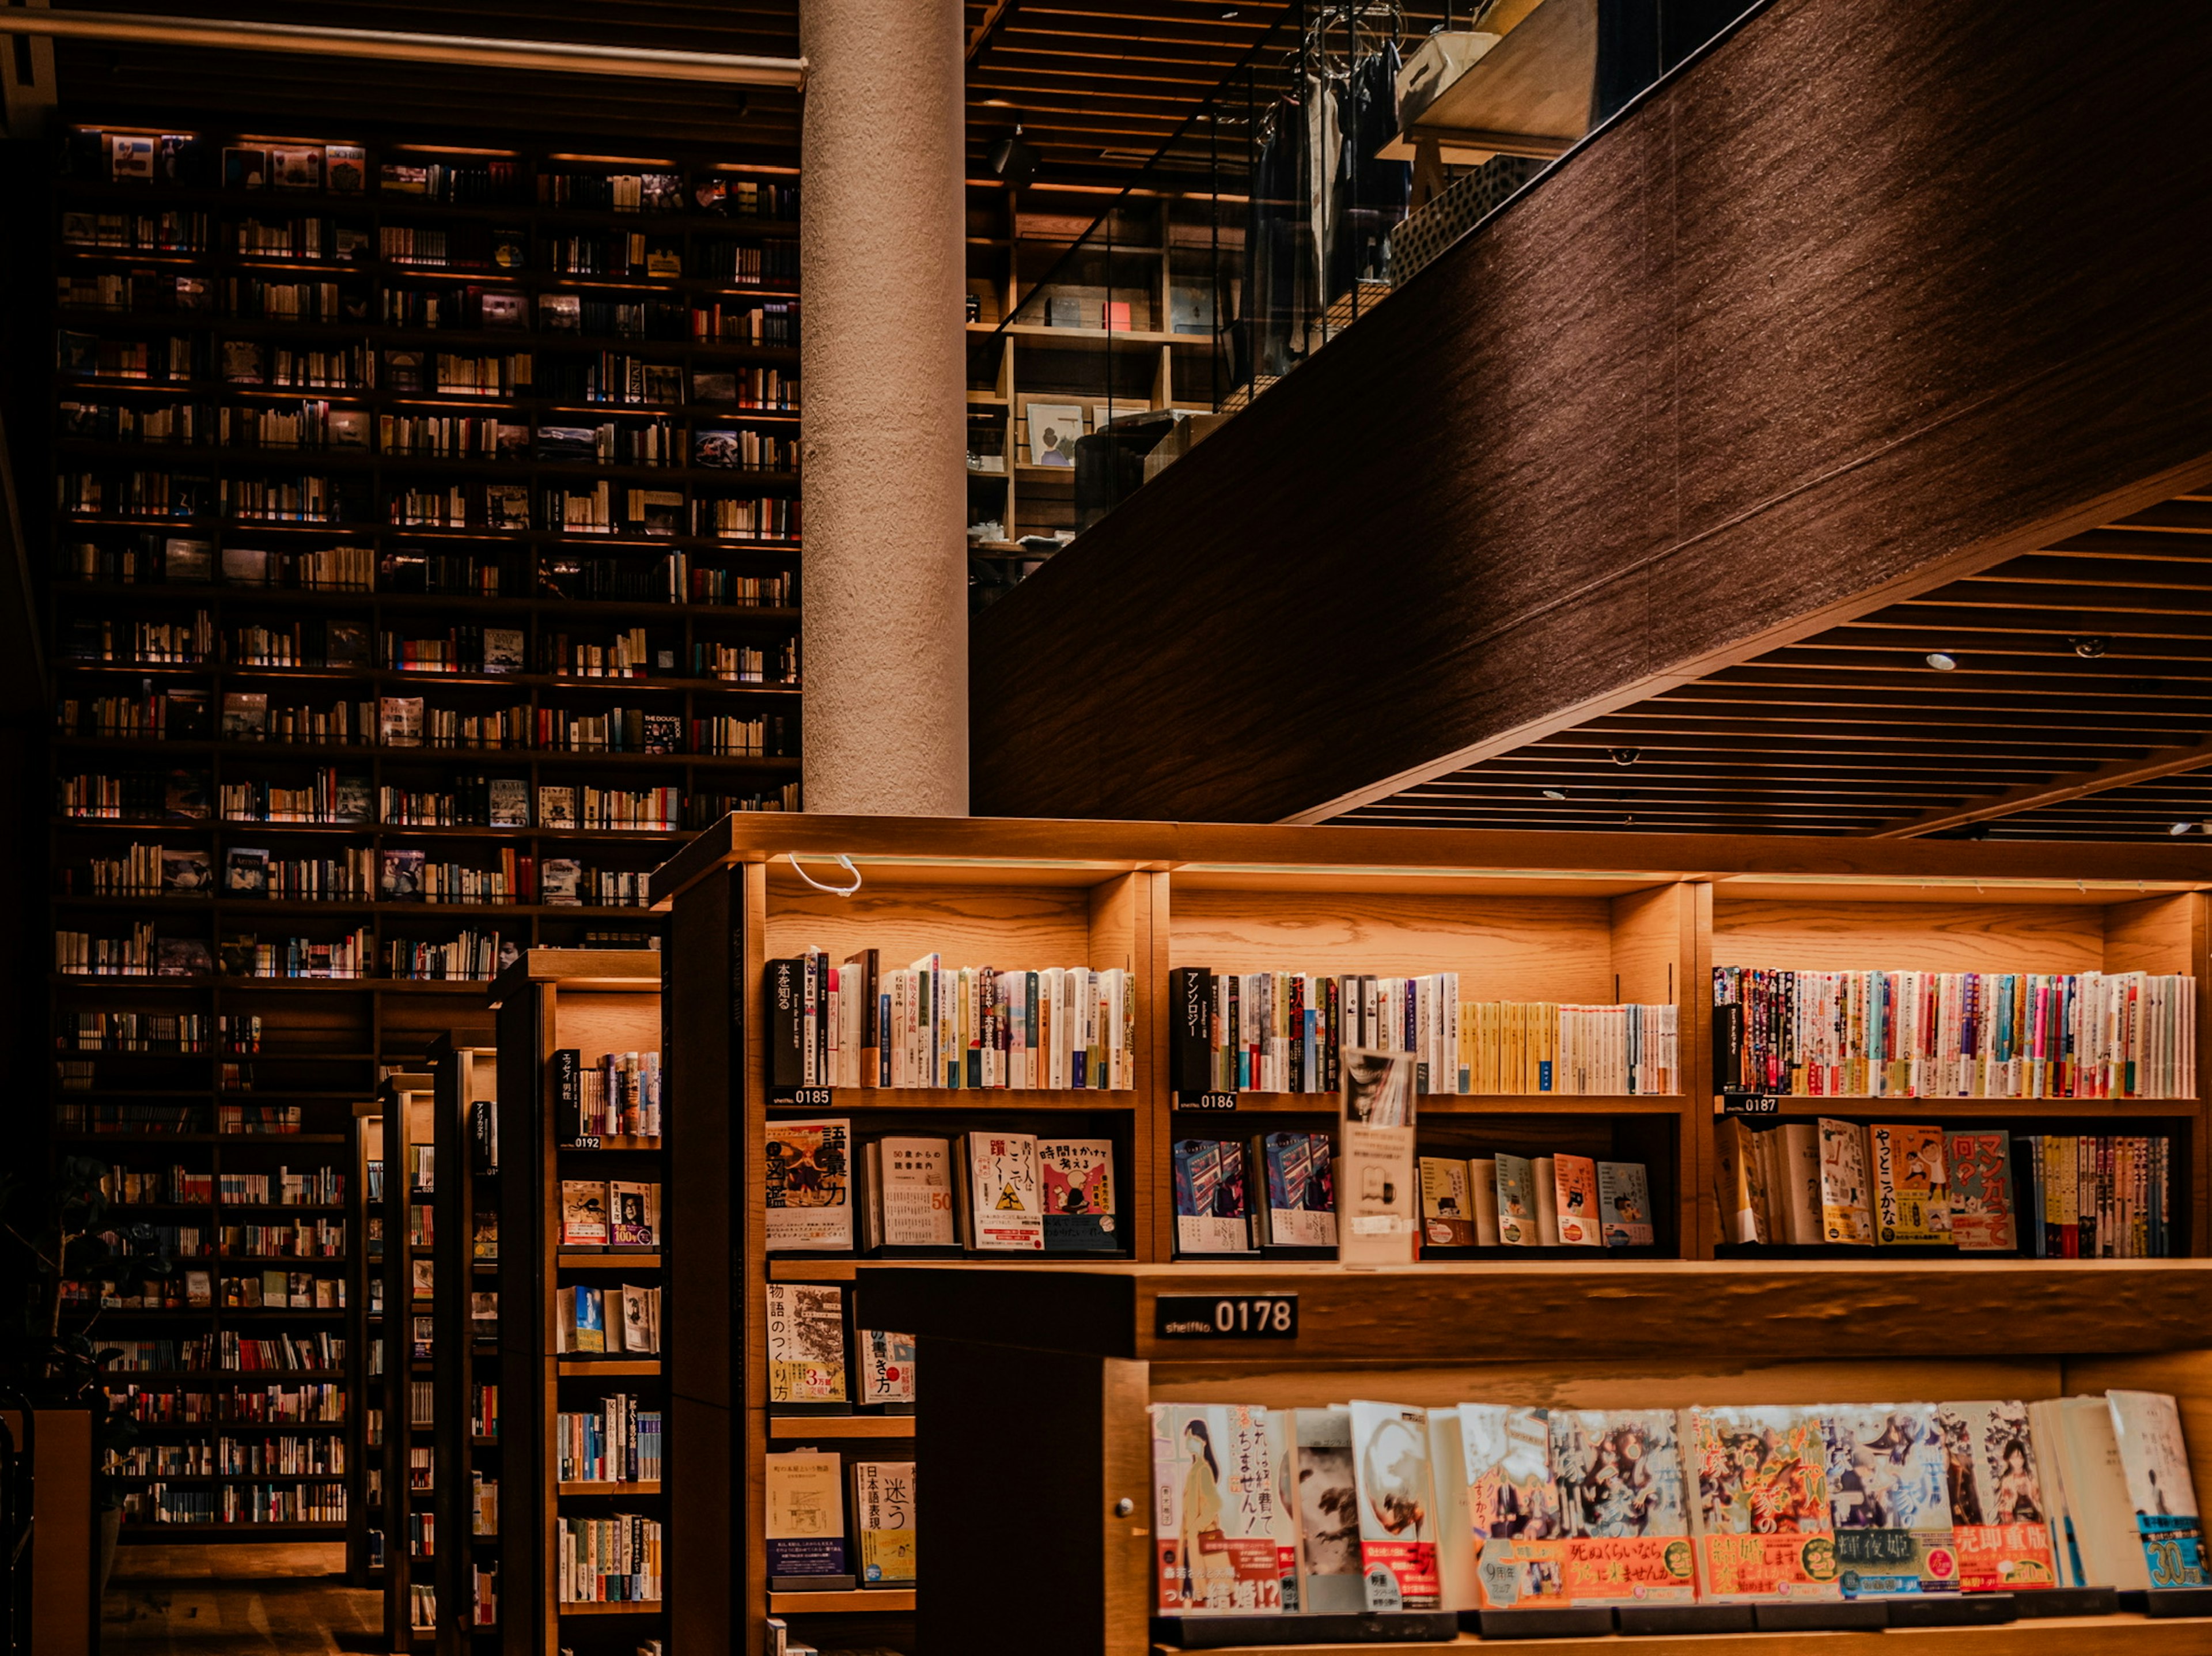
1225	1316
1206	1101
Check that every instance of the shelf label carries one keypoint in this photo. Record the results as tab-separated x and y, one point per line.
802	1097
1750	1104
1226	1317
588	1141
1206	1101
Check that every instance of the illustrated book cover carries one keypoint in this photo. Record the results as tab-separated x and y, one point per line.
1397	1507
808	1179
1512	1505
1619	1478
1759	1517
1889	1495
1999	1519
1213	1494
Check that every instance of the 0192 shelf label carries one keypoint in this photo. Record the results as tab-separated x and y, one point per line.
1225	1316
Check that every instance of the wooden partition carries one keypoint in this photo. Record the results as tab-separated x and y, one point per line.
407	1111
463	1354
1583	919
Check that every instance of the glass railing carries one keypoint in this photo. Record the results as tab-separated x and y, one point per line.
1354	144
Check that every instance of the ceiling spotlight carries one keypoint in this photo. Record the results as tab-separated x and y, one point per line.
1013	159
1626	755
1942	662
2090	648
1554	794
2181	828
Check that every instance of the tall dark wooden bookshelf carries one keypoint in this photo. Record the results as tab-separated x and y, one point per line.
464	1353
408	1104
150	552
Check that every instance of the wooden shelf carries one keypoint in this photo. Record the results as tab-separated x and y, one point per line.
639	1261
2101	1636
841	1603
633	1607
571	1367
641	1488
800	1428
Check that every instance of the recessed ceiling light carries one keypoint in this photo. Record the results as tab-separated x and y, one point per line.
2090	648
1626	755
1942	662
2181	828
1554	794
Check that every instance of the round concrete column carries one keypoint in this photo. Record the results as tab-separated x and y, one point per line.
883	375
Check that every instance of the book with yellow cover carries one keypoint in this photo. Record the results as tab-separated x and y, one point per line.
1911	1186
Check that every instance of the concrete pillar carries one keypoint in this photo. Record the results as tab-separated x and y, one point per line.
883	367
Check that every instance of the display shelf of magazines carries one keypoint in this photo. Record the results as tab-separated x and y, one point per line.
1986	1457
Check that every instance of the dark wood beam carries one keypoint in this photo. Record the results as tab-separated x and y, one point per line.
1658	417
2054	790
993	15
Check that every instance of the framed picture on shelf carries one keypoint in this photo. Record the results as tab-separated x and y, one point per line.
1053	427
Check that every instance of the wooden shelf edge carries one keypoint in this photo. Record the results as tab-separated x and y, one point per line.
628	1607
641	1488
799	1427
841	1603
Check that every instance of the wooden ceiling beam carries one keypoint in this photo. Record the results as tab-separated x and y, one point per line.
2192	756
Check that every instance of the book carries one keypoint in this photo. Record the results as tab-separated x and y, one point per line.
2094	1531
583	1320
1209	1198
1543	1180
1760	1520
1003	1189
1513	1524
1330	1580
401	877
804	1509
583	1214
345	168
1300	1210
560	881
507	802
556	807
883	1522
1888	1497
1911	1186
2161	1493
805	1327
909	1190
1078	1196
634	1211
399	721
1447	1203
245	168
503	647
1574	1183
2000	1520
1622	1507
1846	1211
1516	1203
244	715
1397	1507
1214	1548
885	1368
1624	1205
246	872
808	1179
1982	1213
640	1324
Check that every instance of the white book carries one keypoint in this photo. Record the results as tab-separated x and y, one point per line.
2097	1497
1482	1176
1796	1190
1005	1197
910	1193
2161	1494
1328	1511
1397	1506
1544	1174
1213	1536
1455	1555
1512	1505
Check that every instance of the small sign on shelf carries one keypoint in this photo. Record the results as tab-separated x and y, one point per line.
1225	1316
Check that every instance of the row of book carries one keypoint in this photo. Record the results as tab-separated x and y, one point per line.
587	1328
933	1026
1955	1034
147	1031
617	1442
286	1455
1979	1189
1012	1192
1271	1032
614	1560
345	799
608	1213
816	1362
237	1503
274	1405
805	1528
1381	1506
246	1120
620	1094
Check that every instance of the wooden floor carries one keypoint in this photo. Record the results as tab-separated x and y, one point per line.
237	1600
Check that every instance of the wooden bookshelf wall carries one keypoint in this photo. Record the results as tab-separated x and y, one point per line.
463	1358
407	1108
1602	918
323	1044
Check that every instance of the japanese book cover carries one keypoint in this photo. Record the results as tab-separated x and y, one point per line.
910	1205
1377	1192
1282	1460
1004	1193
1512	1505
1888	1494
1624	1204
1301	1198
1079	1195
1574	1181
806	1343
1213	1497
806	1513
635	1211
1999	1517
808	1175
1397	1529
1447	1206
1516	1203
1619	1474
886	1368
1760	1515
1209	1198
883	1521
1455	1559
1911	1186
2161	1492
1846	1213
583	1214
1328	1513
1982	1214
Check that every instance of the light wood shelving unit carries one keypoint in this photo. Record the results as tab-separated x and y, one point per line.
1591	917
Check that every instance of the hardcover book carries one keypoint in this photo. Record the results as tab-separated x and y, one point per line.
1911	1186
807	1173
806	1324
1213	1547
1982	1213
1624	1205
1209	1198
1760	1517
1512	1505
1005	1211
1619	1474
1889	1496
805	1515
1078	1177
1999	1517
1397	1507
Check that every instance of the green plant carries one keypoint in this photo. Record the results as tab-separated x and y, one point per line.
57	1232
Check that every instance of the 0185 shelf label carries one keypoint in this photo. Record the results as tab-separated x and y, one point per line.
1225	1316
802	1097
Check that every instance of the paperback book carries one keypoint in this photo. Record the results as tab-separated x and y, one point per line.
1514	1523
805	1327
1214	1544
808	1183
1889	1496
1760	1518
1397	1507
1619	1473
1078	1177
2000	1519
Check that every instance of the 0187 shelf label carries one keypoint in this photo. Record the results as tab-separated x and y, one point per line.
1750	1104
1225	1316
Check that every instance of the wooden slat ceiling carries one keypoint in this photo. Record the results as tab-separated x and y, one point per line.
2080	667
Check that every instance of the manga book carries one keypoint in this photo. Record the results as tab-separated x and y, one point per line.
1512	1505
1214	1511
1911	1186
2161	1492
1999	1519
1397	1506
1760	1514
1981	1213
1618	1476
1328	1513
1888	1492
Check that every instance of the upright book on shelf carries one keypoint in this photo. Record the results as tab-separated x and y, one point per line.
1397	1507
1888	1497
1004	1192
807	1175
1214	1544
2000	1516
1761	1518
1622	1507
